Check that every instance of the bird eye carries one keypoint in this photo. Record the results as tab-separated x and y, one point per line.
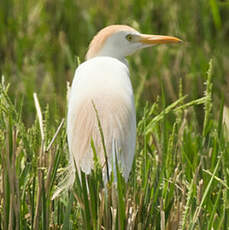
129	37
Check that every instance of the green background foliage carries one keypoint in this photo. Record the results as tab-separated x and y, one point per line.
180	176
41	40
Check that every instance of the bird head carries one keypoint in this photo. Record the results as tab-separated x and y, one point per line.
119	41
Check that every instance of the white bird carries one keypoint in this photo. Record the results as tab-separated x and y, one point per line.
102	82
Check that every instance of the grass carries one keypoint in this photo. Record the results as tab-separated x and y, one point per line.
179	178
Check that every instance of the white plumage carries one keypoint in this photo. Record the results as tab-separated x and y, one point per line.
111	92
103	79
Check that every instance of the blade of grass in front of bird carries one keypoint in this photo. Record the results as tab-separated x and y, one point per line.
102	139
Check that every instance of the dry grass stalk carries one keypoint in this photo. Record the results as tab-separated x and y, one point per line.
40	164
162	212
3	201
13	182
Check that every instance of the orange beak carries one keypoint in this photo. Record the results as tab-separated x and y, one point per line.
157	39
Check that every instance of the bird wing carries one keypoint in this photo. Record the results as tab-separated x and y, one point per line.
104	82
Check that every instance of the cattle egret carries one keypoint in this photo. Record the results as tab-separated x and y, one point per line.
102	84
